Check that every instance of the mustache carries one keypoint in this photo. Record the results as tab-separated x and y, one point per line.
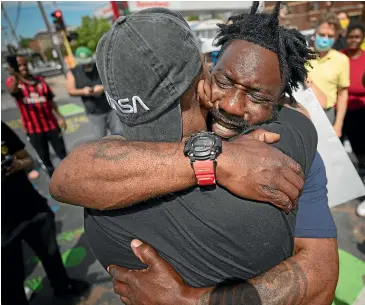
237	123
228	120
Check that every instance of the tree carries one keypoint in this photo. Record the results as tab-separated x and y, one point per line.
90	32
24	42
193	18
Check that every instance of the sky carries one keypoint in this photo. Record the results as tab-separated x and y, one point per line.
30	20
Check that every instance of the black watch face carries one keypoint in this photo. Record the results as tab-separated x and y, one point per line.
202	146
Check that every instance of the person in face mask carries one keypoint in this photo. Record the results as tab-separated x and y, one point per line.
344	21
330	71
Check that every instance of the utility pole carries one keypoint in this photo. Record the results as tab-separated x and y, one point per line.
115	9
55	46
10	24
4	32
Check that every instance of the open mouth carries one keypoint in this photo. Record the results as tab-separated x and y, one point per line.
224	130
227	125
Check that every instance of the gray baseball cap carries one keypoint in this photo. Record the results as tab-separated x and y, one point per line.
146	62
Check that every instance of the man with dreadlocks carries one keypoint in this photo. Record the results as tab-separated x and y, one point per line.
209	235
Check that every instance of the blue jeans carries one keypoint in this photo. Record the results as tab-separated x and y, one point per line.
101	123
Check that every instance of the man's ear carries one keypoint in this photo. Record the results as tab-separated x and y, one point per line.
204	89
204	93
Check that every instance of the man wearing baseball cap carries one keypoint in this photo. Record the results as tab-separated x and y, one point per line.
84	81
208	235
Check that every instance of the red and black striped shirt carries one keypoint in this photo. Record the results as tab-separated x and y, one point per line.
35	105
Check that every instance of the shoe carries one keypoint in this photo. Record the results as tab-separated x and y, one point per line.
74	288
361	209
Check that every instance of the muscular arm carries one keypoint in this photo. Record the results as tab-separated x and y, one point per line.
127	172
309	277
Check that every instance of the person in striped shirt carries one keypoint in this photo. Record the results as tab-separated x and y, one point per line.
38	112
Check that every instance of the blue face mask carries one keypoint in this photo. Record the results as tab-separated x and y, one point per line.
323	43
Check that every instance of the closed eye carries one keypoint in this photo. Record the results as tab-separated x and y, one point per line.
224	84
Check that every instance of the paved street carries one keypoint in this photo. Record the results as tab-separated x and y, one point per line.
79	260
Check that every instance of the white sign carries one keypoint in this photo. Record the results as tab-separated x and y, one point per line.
105	11
135	6
56	39
344	183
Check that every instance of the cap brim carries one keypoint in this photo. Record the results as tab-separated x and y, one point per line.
166	128
85	61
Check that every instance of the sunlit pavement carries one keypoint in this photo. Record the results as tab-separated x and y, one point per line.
80	262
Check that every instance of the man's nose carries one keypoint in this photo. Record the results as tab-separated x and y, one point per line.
235	105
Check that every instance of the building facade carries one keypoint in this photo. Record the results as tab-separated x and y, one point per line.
201	9
304	15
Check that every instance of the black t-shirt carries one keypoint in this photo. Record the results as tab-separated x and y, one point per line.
93	104
20	202
340	43
208	236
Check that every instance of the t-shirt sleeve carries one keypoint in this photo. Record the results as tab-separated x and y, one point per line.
314	218
298	136
343	80
13	142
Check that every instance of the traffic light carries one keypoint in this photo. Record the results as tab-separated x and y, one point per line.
58	21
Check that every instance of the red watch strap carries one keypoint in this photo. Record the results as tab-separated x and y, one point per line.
204	172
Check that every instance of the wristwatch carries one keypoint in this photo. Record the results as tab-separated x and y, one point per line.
203	148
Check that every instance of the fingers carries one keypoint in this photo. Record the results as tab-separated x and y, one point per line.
119	273
293	178
120	288
287	188
146	253
265	136
294	166
277	198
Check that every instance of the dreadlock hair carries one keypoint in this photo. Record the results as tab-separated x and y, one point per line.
264	30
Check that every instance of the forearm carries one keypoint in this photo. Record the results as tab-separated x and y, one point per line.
76	92
303	279
341	107
13	87
27	163
113	173
56	110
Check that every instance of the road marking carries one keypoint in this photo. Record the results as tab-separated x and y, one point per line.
70	109
350	281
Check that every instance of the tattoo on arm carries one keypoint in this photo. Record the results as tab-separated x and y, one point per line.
105	149
286	284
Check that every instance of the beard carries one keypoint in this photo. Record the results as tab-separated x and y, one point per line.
237	124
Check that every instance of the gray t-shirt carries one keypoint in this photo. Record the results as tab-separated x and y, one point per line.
209	236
